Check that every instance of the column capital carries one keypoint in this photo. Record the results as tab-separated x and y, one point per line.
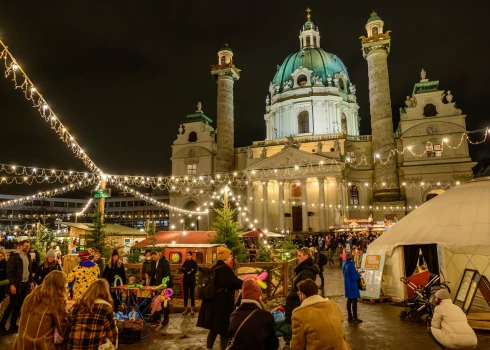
320	178
303	181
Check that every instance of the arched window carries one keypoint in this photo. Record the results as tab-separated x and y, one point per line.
343	121
353	196
341	84
223	60
192	137
375	30
430	110
314	41
303	122
308	40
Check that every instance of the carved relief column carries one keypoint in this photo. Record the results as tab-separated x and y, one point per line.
265	205
281	204
304	209
321	203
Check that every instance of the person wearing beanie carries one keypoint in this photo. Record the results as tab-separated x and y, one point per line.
214	314
317	323
351	287
449	327
258	332
50	264
83	275
114	269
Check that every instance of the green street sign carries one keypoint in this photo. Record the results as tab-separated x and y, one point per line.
101	193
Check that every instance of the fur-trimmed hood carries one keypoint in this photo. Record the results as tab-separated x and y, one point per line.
314	299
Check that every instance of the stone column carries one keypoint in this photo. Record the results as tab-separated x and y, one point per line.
376	54
304	200
225	153
321	203
250	201
265	205
281	204
340	201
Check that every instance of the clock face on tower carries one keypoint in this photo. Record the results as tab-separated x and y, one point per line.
432	130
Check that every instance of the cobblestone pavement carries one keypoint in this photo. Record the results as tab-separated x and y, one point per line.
381	329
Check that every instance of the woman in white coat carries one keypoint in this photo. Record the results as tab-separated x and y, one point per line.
450	328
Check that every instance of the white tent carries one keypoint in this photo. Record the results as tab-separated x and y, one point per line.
458	221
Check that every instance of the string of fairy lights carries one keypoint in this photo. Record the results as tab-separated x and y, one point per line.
203	185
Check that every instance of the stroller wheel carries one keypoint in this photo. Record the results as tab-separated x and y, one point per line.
403	315
428	321
414	316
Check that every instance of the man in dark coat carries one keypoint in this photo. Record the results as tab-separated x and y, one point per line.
20	284
160	268
215	313
305	269
259	331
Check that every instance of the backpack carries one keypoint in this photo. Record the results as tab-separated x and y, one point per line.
323	259
206	281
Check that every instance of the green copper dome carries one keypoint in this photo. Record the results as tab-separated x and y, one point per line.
320	62
225	47
374	17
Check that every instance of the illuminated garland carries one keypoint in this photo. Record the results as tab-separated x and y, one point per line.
46	194
154	201
31	93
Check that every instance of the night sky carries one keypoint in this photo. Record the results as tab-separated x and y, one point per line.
122	75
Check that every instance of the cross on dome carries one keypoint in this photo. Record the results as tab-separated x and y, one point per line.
308	16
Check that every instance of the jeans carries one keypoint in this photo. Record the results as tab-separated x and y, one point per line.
352	308
322	279
212	337
16	302
189	286
429	332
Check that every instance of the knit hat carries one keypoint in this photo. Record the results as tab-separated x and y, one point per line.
223	253
443	294
83	254
349	256
51	254
115	252
251	290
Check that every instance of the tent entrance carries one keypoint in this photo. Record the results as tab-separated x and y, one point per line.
420	255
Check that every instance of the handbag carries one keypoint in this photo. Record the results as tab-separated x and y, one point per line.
361	283
230	344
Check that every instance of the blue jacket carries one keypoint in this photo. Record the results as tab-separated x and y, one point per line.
351	278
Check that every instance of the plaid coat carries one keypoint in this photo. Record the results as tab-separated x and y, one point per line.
90	330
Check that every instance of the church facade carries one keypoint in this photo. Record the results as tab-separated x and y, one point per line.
314	169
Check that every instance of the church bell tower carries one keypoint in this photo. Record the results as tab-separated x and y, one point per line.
375	49
225	73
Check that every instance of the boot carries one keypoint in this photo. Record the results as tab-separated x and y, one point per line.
192	311
186	311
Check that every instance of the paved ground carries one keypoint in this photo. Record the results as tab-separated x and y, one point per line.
381	329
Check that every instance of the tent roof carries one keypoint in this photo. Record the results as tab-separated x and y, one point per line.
458	220
109	228
168	237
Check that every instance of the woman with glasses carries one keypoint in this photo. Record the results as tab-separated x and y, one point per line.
306	268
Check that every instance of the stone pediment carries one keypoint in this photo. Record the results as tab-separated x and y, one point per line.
289	158
191	152
432	128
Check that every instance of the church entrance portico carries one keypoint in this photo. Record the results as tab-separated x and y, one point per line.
297	219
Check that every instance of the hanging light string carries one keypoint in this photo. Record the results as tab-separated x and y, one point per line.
33	180
84	215
13	70
21	170
46	194
89	203
154	201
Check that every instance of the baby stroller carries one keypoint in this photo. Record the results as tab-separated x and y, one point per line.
424	300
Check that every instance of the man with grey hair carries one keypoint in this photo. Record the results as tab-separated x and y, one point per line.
20	282
450	328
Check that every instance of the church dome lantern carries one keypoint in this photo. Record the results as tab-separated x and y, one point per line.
374	25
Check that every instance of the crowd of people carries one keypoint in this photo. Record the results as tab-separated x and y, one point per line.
38	292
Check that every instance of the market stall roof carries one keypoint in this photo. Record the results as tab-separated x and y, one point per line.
192	246
257	233
109	228
178	237
457	219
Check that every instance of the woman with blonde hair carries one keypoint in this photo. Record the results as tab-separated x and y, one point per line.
43	312
92	318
